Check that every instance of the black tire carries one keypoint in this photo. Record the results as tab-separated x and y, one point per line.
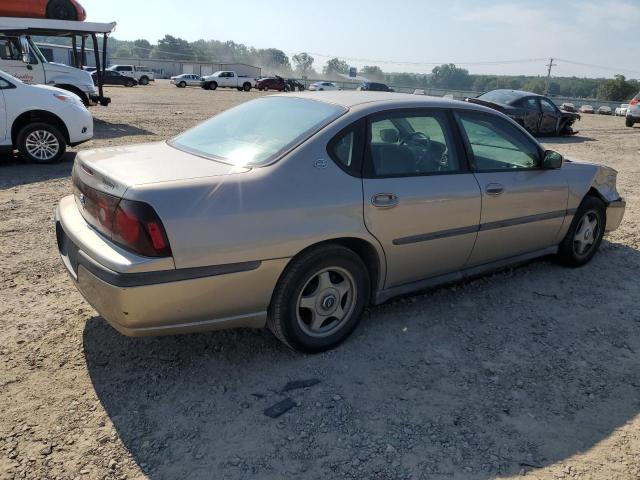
144	81
591	209
182	84
129	83
285	316
61	10
629	122
25	135
246	87
239	89
213	86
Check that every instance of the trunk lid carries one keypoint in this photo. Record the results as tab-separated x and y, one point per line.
114	169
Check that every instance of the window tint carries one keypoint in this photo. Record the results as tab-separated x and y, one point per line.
529	104
412	144
497	145
547	106
343	148
4	84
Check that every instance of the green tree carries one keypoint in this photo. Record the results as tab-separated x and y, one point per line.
141	48
335	66
303	63
123	52
173	48
618	89
450	76
372	72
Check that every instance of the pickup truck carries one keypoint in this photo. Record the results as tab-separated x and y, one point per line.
142	74
226	79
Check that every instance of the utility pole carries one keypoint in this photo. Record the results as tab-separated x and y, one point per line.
546	85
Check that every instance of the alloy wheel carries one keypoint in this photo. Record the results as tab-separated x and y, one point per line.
586	234
42	145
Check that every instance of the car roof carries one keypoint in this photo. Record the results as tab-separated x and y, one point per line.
353	98
516	93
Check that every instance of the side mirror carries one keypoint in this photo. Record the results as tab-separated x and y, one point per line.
25	50
552	160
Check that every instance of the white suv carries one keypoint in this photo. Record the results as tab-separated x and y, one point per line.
40	121
633	111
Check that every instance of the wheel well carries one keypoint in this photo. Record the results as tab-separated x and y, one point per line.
77	91
37	116
595	193
367	253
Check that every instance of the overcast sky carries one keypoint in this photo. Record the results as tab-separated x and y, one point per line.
379	32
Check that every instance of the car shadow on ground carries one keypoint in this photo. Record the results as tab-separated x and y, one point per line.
567	139
103	130
14	171
517	370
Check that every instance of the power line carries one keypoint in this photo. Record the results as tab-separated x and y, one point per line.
599	67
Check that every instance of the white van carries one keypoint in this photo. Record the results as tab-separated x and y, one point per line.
20	57
40	121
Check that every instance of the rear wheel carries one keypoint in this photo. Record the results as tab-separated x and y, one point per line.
585	233
144	81
629	122
319	299
61	10
41	143
246	87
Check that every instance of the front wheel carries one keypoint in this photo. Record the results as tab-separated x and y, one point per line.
585	233
629	122
144	81
213	86
319	299
41	143
130	83
182	84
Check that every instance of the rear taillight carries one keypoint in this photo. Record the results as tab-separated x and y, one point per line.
131	224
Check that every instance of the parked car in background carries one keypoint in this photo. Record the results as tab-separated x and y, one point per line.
142	75
320	86
293	85
621	111
605	110
537	114
374	87
587	109
40	121
195	233
228	79
53	9
568	107
633	111
419	91
271	83
186	80
110	77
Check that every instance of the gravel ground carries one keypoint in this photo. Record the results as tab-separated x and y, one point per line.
533	371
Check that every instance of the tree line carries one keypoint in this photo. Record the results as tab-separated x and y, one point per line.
447	76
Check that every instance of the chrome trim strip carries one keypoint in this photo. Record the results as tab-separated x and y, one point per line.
482	227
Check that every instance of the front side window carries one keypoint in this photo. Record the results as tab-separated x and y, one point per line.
547	106
10	50
496	144
255	133
411	144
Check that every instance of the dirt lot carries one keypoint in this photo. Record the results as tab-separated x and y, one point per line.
534	371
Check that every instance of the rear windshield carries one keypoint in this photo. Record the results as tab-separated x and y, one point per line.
500	96
257	132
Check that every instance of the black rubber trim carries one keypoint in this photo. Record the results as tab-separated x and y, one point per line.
482	227
73	257
164	276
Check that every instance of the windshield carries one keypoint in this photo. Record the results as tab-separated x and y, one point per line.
257	132
500	96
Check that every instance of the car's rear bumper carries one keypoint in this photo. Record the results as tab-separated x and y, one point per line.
615	212
168	301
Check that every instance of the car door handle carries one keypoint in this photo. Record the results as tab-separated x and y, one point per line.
385	200
494	189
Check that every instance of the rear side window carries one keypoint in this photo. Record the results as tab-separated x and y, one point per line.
346	148
528	103
496	144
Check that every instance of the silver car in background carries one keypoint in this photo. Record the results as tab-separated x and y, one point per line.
187	80
297	211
